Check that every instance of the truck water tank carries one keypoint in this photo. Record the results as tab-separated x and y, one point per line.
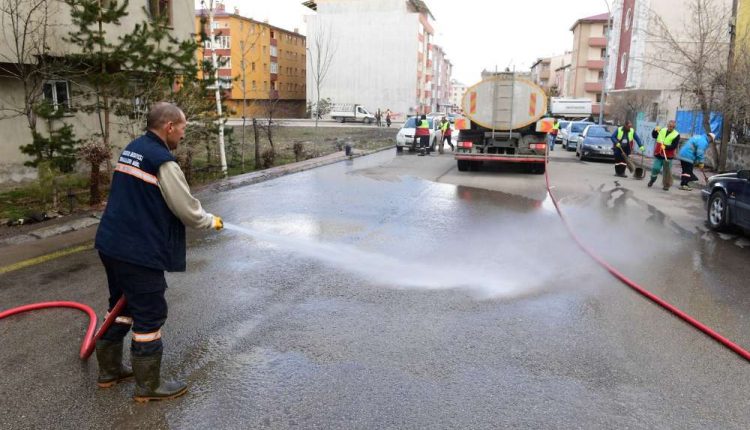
504	101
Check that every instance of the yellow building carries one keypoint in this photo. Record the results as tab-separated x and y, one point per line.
743	22
273	60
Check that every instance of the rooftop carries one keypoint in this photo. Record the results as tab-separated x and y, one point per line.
602	17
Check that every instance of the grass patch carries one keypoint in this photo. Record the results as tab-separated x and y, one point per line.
310	143
44	196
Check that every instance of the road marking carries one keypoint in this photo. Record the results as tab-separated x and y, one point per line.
45	258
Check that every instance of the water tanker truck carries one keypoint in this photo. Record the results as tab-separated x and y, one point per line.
503	124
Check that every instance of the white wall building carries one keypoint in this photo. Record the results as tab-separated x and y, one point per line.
633	52
63	92
457	94
383	53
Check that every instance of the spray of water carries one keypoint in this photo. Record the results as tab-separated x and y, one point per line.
390	271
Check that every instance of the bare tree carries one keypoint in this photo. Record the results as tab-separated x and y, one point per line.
23	54
626	106
321	51
248	44
695	54
738	94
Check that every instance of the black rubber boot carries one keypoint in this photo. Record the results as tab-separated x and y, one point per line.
651	181
148	383
111	370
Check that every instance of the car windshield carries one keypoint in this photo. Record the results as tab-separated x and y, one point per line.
578	127
598	131
411	122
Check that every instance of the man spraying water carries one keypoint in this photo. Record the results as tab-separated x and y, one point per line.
141	235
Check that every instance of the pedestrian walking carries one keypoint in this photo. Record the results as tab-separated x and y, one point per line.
691	155
447	131
388	117
622	146
552	135
667	142
141	235
378	116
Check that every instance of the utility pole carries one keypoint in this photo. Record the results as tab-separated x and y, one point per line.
726	128
608	30
215	61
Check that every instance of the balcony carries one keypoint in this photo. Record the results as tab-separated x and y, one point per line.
593	87
595	64
598	42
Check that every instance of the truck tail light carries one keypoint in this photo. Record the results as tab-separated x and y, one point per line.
539	146
465	144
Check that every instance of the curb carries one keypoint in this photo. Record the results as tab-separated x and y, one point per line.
287	169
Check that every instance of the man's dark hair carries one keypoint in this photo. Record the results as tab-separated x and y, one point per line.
162	113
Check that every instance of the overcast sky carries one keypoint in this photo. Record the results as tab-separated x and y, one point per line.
476	34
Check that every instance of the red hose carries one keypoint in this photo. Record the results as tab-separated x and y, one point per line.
89	339
627	281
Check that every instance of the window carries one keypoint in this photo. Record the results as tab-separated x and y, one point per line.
57	94
273	34
254	86
274	51
161	9
252	66
601	76
223	42
274	67
225	62
598	97
603	53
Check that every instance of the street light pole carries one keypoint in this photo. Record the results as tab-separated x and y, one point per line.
607	31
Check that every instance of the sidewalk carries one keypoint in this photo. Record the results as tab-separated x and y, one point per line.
78	232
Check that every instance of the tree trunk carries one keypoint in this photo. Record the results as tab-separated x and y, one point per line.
257	144
707	129
95	196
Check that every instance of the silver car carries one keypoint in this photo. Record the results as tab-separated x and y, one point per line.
572	134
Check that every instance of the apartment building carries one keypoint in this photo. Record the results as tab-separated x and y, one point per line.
441	74
384	54
588	58
64	93
261	66
457	94
633	49
545	73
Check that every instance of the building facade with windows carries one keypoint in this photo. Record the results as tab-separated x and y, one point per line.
636	51
381	67
61	92
457	95
262	67
588	58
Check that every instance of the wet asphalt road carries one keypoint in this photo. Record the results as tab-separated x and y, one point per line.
396	292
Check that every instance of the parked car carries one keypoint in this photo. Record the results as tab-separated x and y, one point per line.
727	198
561	131
595	142
573	130
405	136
